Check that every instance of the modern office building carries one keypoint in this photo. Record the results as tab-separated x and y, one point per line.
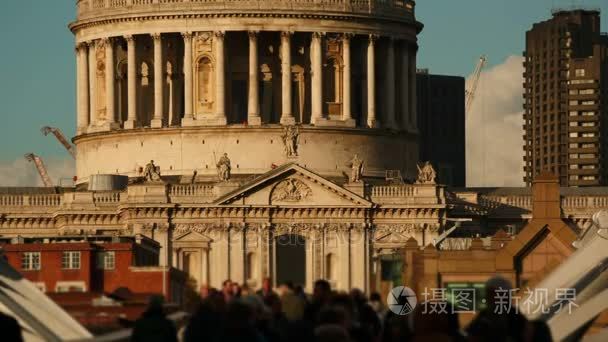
565	87
441	123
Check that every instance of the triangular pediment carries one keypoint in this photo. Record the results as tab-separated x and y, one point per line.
292	185
191	237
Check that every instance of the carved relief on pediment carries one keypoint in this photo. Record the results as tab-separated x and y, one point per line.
290	190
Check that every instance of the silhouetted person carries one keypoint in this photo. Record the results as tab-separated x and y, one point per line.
499	321
266	289
207	322
538	331
153	325
240	325
320	297
9	329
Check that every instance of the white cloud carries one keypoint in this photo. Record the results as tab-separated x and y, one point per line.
494	127
23	173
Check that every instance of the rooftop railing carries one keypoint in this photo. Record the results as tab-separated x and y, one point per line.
382	7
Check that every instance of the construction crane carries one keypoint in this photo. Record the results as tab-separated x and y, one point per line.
470	93
62	139
41	169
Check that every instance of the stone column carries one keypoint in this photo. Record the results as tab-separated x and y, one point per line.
413	107
405	87
287	117
317	78
390	84
371	83
346	85
132	84
157	120
110	83
83	88
220	79
188	81
253	117
92	83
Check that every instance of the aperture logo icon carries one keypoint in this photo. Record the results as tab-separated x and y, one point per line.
401	300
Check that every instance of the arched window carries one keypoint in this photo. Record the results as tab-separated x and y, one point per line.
205	80
250	266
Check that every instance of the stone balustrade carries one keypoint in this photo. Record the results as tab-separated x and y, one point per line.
191	193
47	200
392	8
106	198
406	194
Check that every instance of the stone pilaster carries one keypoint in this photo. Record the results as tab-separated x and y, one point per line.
346	82
253	105
371	82
157	120
110	83
132	84
188	119
220	79
82	87
317	77
390	85
405	87
92	83
287	117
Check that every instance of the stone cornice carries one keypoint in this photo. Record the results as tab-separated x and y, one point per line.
92	21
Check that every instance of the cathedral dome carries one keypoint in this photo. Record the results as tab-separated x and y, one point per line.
268	82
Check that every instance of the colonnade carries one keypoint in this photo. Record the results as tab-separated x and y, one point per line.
398	58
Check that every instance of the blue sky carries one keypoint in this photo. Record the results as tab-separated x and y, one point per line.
37	59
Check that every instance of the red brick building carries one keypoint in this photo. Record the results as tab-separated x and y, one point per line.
96	279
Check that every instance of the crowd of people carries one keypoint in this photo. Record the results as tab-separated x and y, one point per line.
235	313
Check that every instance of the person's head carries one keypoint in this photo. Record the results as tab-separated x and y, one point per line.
375	297
155	304
267	284
204	291
151	161
236	289
227	286
498	290
322	290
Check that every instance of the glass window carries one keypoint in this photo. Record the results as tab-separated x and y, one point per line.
587	91
588	103
589	167
588	177
573	92
588	113
70	260
588	124
106	260
573	135
573	145
588	135
573	103
573	177
30	261
573	166
587	155
579	72
573	123
573	113
573	156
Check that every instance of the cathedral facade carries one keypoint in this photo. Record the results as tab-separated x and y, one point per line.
259	138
